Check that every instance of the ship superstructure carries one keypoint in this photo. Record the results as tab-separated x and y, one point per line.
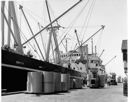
64	72
97	73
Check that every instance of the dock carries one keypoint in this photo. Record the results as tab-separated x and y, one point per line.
107	94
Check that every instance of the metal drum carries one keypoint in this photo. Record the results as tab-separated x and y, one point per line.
80	83
75	80
34	82
65	82
88	80
71	82
57	78
49	82
102	80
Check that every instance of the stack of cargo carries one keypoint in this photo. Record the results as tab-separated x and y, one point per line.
51	82
40	82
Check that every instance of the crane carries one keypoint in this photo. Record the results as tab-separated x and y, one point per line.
101	53
110	60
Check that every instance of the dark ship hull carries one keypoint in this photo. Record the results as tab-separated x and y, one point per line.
15	68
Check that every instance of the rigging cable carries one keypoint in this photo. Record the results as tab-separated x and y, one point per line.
52	12
73	21
88	18
102	28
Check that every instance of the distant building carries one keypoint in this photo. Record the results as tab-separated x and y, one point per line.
125	53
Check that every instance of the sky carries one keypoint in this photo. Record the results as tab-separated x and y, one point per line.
111	13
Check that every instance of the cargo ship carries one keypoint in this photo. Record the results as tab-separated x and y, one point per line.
97	73
22	72
91	64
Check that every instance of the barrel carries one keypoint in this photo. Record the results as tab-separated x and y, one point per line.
57	78
34	82
78	82
65	82
71	82
88	80
49	82
102	80
74	83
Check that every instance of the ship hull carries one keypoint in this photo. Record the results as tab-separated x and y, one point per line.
15	68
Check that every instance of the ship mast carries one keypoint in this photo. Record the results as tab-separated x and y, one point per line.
21	7
52	32
67	44
9	22
101	54
16	28
2	22
110	60
80	46
16	34
92	45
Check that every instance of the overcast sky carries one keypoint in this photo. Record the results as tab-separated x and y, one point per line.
111	13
